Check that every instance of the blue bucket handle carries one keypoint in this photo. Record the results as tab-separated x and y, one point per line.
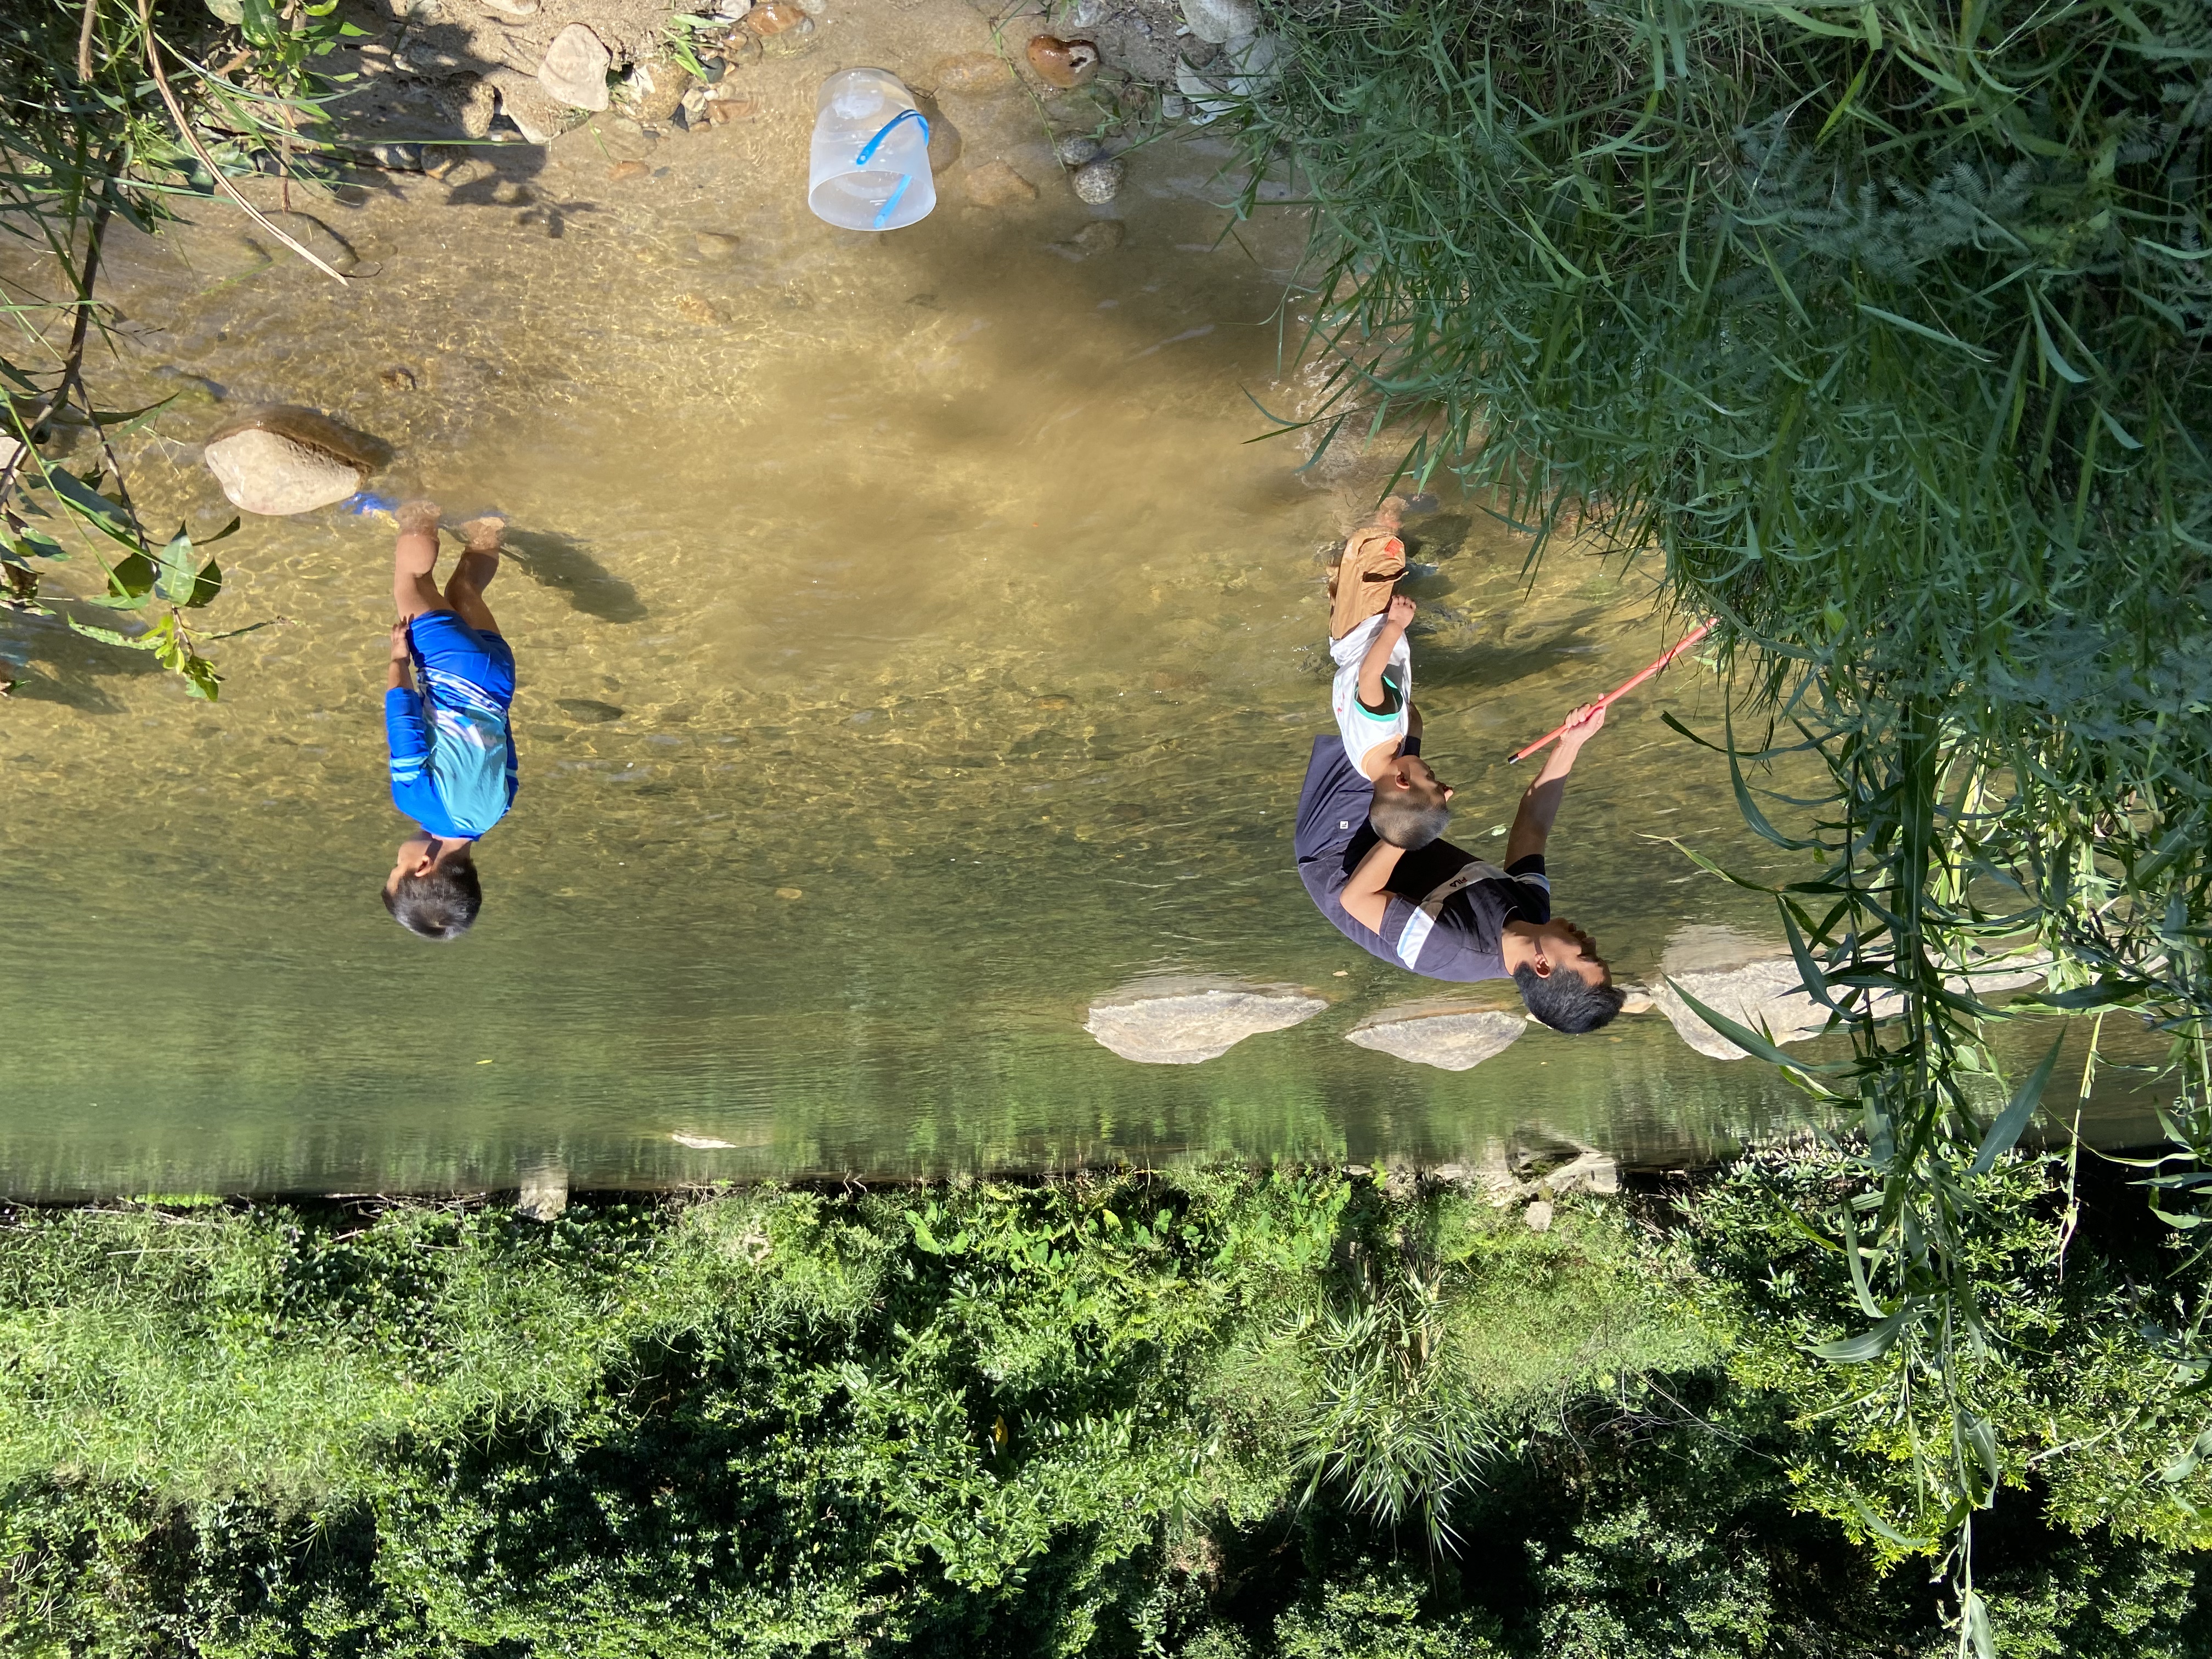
883	212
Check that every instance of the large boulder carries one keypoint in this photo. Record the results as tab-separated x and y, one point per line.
1453	1041
279	459
1169	1023
1755	982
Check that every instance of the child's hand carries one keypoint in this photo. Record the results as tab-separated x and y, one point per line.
1583	725
1399	616
400	650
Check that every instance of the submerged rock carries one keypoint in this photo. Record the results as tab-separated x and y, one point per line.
575	69
1099	236
973	72
280	459
544	1193
1450	1041
1077	148
1752	981
1184	1027
1066	64
717	245
995	185
1098	182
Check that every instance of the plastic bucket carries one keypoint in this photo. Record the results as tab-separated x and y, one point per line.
869	166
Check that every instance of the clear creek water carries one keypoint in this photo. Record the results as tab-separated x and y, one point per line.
913	648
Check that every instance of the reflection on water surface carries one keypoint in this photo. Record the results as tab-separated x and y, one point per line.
912	649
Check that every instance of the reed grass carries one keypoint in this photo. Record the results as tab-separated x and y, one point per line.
1883	325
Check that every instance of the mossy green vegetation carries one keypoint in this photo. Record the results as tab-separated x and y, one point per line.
1093	1416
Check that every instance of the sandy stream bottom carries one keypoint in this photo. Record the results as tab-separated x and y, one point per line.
912	648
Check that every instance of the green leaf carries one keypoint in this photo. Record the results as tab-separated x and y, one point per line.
1869	1344
923	1238
2014	1118
109	637
1976	1618
132	577
174	579
205	587
1926	332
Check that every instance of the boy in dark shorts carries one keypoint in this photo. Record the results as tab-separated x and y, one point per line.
446	717
1372	856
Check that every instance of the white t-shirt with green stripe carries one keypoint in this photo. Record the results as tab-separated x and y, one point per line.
1361	727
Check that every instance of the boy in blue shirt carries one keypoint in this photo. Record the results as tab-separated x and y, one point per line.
446	716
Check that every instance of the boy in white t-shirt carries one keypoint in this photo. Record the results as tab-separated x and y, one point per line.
1372	695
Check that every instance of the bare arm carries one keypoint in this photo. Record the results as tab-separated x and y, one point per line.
403	661
1395	622
1539	805
1367	896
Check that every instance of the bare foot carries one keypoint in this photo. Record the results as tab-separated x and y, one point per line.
485	535
418	514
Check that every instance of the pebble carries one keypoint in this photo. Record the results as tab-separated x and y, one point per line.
514	9
1064	63
654	91
1538	1216
792	41
1077	148
575	69
318	238
1099	236
1220	21
733	9
732	105
715	244
972	72
622	171
695	309
790	892
693	108
1098	182
396	158
185	391
775	16
1173	107
476	107
995	185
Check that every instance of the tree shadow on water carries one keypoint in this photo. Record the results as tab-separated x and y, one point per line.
565	564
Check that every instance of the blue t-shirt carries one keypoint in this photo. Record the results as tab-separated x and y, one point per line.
1460	941
452	763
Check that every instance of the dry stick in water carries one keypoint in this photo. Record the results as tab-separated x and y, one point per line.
185	129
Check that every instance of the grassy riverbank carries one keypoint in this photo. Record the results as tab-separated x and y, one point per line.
1107	1416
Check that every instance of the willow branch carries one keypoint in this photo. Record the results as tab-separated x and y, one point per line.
192	139
84	42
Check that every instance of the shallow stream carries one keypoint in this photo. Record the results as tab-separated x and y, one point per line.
914	648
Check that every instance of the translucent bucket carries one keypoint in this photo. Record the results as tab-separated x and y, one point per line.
869	166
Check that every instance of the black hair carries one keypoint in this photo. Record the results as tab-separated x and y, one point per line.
1410	818
441	905
1566	1001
